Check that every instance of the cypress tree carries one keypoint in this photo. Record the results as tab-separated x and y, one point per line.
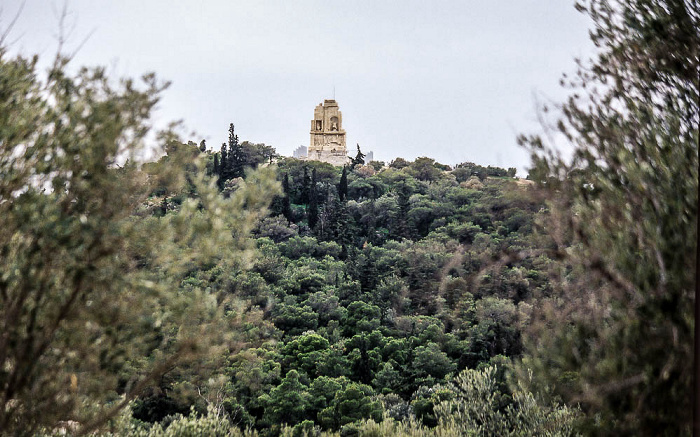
343	185
313	202
402	229
223	164
203	146
286	206
305	187
342	232
216	164
235	155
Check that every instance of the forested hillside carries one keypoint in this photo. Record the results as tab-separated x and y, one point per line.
375	286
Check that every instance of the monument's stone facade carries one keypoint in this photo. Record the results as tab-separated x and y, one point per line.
327	135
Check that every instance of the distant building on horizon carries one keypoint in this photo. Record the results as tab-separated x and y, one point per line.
300	152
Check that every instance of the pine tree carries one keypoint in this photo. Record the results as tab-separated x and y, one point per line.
359	159
216	164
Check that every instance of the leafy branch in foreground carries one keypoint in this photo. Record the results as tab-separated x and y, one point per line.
622	217
87	285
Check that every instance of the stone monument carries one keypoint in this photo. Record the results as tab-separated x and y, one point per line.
327	135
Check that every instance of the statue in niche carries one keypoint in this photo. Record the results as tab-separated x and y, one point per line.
318	124
334	123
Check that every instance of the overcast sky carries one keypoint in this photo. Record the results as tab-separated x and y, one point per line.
452	80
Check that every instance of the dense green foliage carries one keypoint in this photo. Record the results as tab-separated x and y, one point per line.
379	286
467	405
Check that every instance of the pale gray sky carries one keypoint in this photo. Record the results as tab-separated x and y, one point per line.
452	80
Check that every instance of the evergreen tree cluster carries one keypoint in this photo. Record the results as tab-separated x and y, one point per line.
230	162
235	157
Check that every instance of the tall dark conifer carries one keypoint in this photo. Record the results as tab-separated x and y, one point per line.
286	206
359	159
216	164
313	201
402	229
223	161
342	232
235	154
223	164
305	187
343	185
